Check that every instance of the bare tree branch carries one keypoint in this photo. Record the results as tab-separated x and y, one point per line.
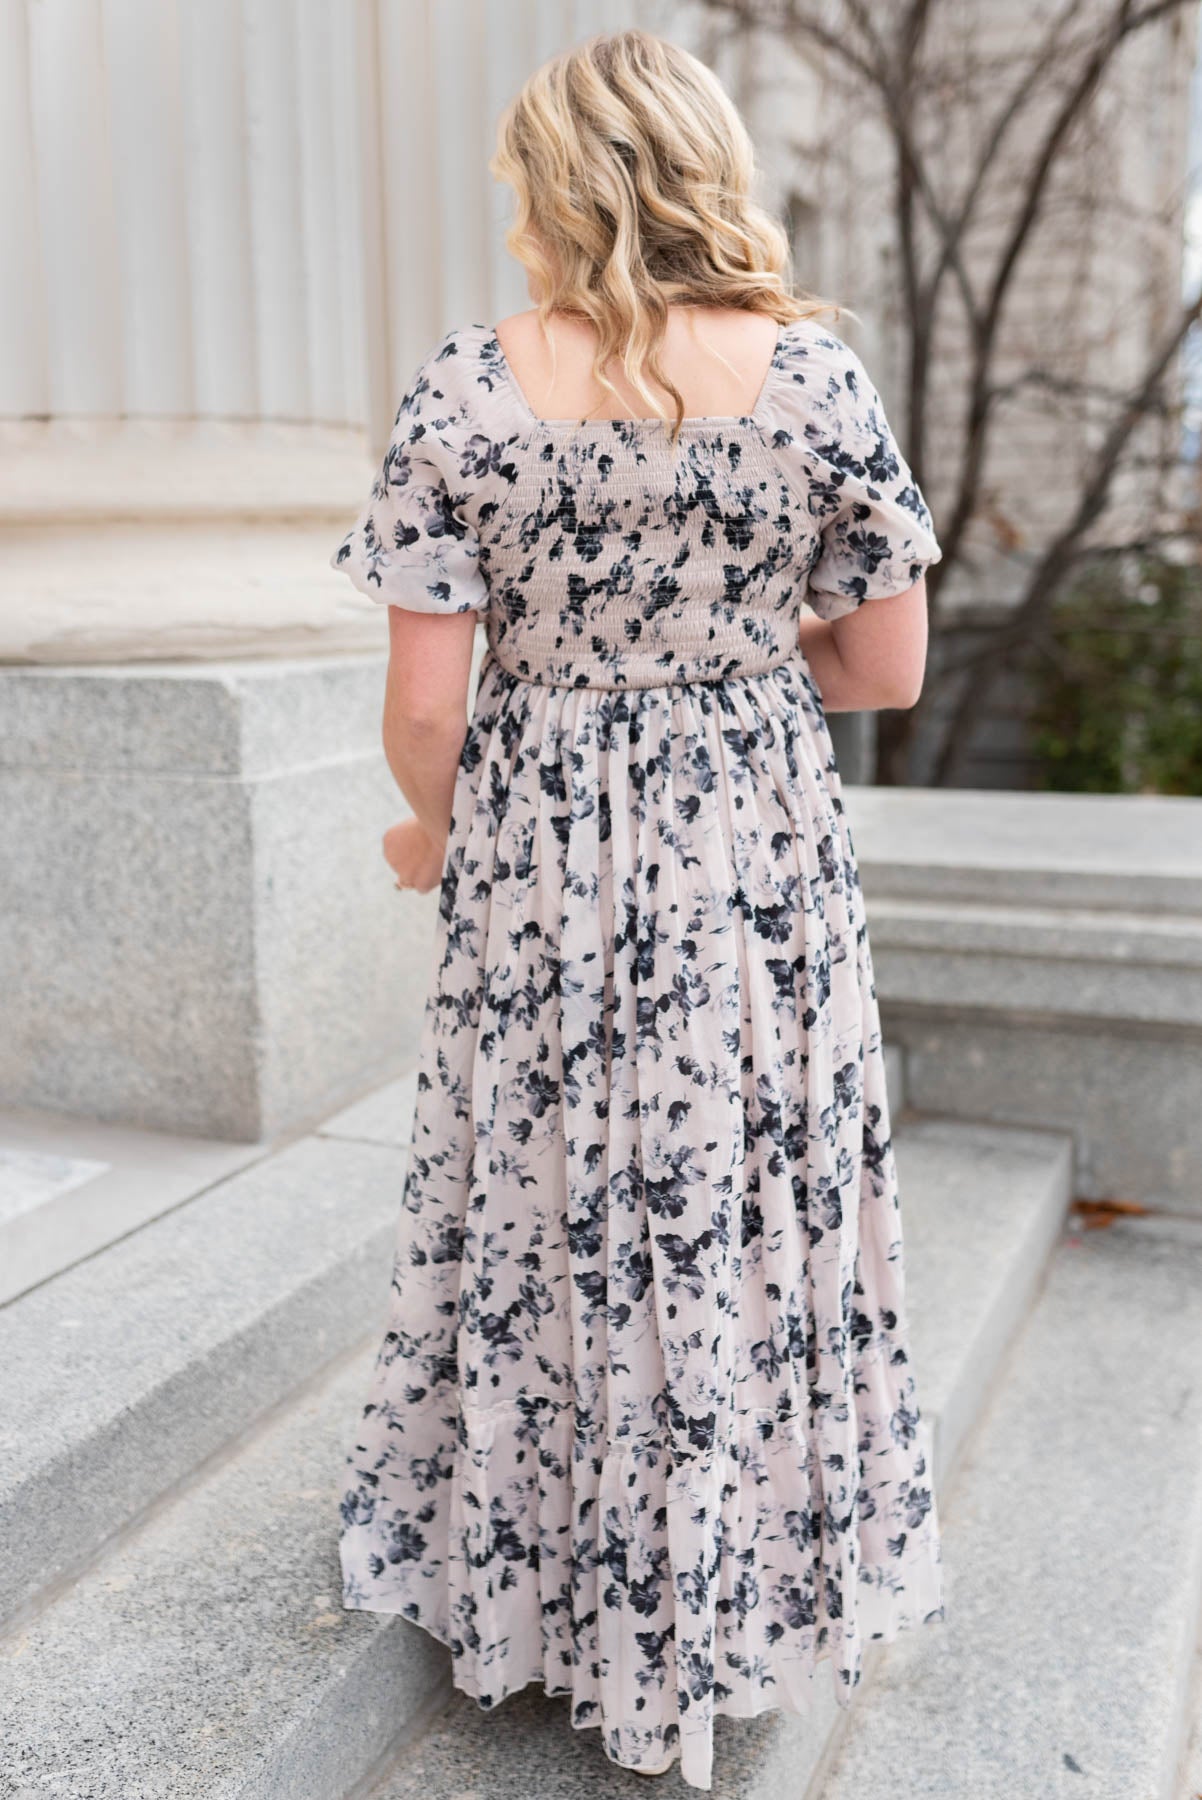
897	96
1064	73
1060	554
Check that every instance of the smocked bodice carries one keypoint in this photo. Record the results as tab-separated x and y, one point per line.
602	555
618	561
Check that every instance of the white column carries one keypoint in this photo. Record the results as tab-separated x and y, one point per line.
217	210
460	41
257	216
510	60
69	107
315	25
417	226
282	291
142	47
23	375
347	245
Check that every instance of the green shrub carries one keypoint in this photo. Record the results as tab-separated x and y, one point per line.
1116	681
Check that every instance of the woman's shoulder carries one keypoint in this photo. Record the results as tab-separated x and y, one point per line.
827	424
810	353
820	384
461	376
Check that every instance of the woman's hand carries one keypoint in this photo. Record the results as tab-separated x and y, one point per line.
413	856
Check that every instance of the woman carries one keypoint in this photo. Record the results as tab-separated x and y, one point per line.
643	1426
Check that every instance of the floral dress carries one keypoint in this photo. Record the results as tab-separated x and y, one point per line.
643	1426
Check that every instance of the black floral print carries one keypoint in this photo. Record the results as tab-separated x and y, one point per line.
643	1425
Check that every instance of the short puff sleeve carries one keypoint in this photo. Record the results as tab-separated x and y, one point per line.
875	535
412	545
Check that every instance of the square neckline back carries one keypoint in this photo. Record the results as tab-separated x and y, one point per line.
750	417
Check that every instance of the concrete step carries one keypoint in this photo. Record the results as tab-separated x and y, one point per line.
70	1186
208	1654
126	1371
1073	1553
895	1079
1189	1781
981	1208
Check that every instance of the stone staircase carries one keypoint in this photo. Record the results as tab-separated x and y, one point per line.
171	1467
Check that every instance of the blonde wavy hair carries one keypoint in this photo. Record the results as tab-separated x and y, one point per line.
633	173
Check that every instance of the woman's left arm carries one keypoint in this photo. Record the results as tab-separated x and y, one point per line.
872	657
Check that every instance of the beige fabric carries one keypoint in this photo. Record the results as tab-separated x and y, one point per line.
643	1427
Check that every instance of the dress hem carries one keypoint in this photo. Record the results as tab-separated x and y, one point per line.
720	1709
